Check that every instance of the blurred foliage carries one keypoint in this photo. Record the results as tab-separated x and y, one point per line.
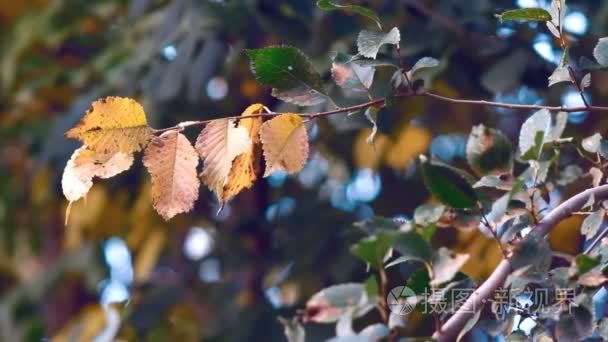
275	245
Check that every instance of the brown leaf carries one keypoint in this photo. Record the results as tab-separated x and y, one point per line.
285	144
171	161
113	124
245	167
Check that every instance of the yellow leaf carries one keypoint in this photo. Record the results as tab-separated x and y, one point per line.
171	161
85	164
218	144
246	166
366	155
113	124
285	144
412	141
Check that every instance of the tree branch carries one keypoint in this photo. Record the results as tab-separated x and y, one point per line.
479	297
382	101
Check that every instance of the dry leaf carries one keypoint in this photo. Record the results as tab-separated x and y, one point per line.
285	143
113	124
171	161
85	164
218	144
246	166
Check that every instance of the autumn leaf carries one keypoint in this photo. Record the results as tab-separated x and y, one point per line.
85	164
171	161
219	143
113	124
245	167
285	144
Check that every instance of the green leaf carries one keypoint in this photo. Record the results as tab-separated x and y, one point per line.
532	133
600	52
327	5
294	331
374	248
446	265
369	42
529	14
585	263
592	223
371	286
289	72
412	247
447	185
489	150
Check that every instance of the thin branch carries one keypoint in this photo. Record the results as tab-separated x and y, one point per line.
596	241
383	295
452	327
382	101
575	82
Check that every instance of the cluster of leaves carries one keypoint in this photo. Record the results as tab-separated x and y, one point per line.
115	128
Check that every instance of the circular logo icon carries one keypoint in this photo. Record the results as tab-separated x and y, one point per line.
401	300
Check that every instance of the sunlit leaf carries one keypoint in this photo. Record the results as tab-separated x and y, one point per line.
285	143
245	167
218	144
111	125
